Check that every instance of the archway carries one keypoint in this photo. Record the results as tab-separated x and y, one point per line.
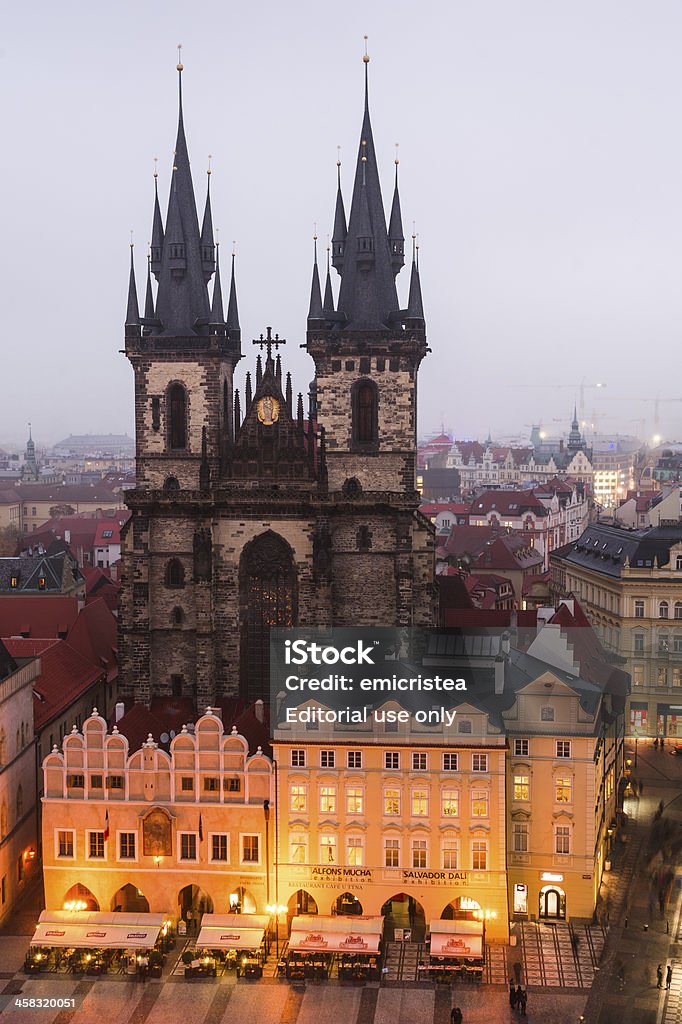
347	904
194	903
462	909
552	902
241	901
404	912
130	900
80	894
300	903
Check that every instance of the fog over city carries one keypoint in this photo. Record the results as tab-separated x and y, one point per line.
539	161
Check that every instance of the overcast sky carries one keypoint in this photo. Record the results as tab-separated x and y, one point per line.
541	158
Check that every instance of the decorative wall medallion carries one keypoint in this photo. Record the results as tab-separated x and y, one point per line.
268	410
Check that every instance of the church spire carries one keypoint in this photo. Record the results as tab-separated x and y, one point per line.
233	328
367	296
208	249
133	310
340	231
415	307
217	310
149	295
182	299
328	302
315	309
157	229
396	238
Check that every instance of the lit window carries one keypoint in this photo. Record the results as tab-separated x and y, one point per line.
563	748
418	853
392	853
354	800
520	837
392	801
479	762
449	803
562	839
479	804
450	762
521	787
354	856
562	789
451	854
328	849
420	803
298	844
479	855
298	798
328	799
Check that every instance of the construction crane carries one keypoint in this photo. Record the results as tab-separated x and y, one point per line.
581	388
644	398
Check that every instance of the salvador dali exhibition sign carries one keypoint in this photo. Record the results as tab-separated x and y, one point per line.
328	876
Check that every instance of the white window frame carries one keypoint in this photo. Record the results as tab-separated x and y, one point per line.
420	761
565	834
330	756
127	831
520	828
218	860
391	755
480	794
355	755
520	750
423	847
564	756
250	835
303	845
454	849
358	844
486	850
59	856
394	849
296	751
362	800
480	763
384	797
326	847
547	713
413	792
454	759
89	832
333	795
457	795
187	860
304	787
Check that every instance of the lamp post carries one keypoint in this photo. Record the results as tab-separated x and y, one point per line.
275	909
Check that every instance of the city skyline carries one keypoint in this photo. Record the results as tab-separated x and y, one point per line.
535	161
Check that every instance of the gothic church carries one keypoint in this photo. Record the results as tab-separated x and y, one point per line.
248	511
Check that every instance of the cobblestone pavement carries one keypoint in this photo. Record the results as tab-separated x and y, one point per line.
561	954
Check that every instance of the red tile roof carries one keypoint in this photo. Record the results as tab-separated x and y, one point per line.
507	503
94	634
40	616
65	675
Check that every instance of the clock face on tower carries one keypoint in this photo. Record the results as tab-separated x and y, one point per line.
268	410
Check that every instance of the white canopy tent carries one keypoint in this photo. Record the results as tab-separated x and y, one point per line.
99	930
456	938
313	933
232	931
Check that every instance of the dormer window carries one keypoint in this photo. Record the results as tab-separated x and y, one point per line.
41	583
14	582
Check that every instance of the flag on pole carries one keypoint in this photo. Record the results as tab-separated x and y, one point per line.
106	826
201	829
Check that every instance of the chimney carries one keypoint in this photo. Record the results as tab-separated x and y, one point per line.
499	674
505	644
259	710
119	711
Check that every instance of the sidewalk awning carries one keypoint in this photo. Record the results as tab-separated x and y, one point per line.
97	930
232	931
353	934
456	938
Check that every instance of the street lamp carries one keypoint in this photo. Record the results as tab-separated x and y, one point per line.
275	909
75	905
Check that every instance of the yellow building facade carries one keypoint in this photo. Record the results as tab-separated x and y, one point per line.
179	833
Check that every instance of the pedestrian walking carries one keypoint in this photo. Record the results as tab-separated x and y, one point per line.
522	1001
656	743
641	787
668	975
659	976
512	994
456	1015
519	998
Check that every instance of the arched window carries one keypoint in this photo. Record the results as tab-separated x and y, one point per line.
171	484
176	404
663	610
678	609
20	803
177	616
365	413
678	562
268	598
175	573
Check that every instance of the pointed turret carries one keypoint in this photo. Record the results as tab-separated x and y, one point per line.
396	238
340	231
328	302
157	231
248	392
288	395
415	307
133	310
278	370
367	296
217	324
315	309
182	299
233	328
259	370
149	295
575	440
208	249
237	415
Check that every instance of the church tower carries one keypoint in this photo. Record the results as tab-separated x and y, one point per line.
247	514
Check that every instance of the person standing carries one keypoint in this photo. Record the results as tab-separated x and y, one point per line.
512	994
659	976
519	997
668	975
522	1001
455	1015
